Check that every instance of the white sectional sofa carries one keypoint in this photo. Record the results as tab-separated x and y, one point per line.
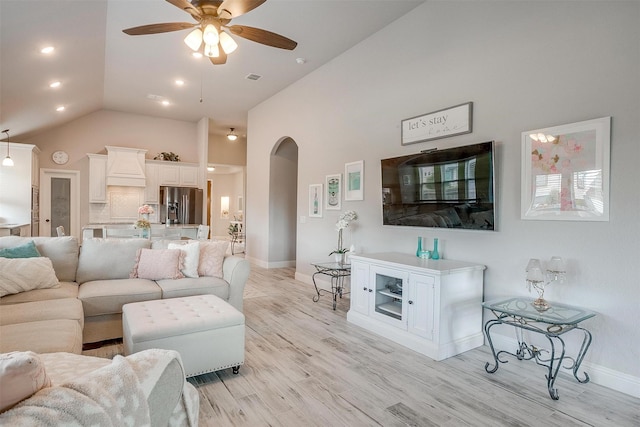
94	284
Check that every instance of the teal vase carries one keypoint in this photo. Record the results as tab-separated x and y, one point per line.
419	250
435	254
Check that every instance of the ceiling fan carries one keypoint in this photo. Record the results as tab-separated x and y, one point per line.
213	18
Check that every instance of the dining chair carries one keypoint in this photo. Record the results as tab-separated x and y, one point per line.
203	232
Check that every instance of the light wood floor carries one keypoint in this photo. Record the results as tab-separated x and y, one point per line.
306	366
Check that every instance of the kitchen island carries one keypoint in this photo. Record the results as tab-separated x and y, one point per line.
158	231
17	229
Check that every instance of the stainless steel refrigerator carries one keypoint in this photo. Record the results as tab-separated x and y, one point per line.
180	205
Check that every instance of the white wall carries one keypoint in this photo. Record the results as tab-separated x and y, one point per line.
232	186
525	65
283	204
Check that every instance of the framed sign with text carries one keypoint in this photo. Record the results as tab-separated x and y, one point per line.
451	121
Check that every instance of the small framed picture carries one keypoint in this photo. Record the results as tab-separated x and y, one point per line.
354	181
333	192
315	201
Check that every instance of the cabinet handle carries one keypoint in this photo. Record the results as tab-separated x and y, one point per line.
364	289
370	290
410	302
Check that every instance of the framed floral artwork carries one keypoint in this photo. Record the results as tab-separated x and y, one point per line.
333	192
354	181
565	172
315	201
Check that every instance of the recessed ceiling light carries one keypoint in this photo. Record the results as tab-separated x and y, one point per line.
60	108
197	55
47	49
166	103
301	61
55	84
180	82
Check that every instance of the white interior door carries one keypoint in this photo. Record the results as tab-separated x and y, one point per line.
59	201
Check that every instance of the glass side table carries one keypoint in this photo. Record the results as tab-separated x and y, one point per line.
552	323
337	271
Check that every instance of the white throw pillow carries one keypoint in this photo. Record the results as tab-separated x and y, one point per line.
24	274
22	374
192	257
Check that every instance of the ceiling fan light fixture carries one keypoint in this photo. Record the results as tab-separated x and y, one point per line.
211	50
194	39
227	43
210	35
231	136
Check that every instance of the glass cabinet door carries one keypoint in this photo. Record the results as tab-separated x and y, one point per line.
389	298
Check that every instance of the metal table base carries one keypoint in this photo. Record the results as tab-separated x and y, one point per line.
337	271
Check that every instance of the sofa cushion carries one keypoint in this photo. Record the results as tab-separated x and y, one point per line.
192	286
102	259
65	290
27	250
44	336
155	264
21	374
108	296
67	308
62	251
24	274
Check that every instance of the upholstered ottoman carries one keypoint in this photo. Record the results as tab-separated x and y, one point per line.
207	331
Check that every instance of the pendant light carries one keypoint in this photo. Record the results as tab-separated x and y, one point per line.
231	136
7	160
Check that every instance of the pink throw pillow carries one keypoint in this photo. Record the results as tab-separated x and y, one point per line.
22	374
157	264
212	257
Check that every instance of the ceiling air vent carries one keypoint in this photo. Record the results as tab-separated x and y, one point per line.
253	76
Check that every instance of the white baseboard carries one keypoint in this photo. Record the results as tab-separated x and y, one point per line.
266	264
600	375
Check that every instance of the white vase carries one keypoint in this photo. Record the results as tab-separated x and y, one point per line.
339	258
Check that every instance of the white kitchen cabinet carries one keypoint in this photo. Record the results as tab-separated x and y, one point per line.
433	307
181	175
97	178
152	189
189	175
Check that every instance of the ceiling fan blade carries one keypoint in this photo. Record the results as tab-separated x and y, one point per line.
263	36
221	59
234	8
187	7
158	28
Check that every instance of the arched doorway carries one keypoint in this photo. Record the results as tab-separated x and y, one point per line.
283	200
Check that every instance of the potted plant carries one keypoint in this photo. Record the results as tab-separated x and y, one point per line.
343	222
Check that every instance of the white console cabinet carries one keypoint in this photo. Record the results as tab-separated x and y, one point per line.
431	306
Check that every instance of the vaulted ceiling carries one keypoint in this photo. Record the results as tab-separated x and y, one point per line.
100	67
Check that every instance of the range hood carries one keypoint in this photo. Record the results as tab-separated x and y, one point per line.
125	166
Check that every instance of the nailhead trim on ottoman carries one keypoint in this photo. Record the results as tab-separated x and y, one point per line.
207	331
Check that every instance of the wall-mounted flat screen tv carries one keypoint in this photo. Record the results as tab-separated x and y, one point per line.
450	188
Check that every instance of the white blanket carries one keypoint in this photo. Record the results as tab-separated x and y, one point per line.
109	396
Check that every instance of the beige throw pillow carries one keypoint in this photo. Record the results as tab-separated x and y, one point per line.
212	255
22	374
24	274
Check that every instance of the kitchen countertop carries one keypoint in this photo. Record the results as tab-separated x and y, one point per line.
16	225
128	224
